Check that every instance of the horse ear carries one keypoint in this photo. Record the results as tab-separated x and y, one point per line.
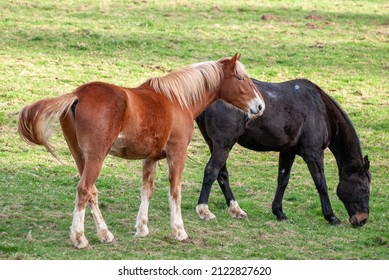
233	60
366	164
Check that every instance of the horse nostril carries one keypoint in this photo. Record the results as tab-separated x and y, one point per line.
259	108
356	222
363	222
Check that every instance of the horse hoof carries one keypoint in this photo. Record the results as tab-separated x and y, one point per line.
142	232
79	240
204	213
181	235
241	215
236	212
334	220
82	243
106	237
209	217
282	217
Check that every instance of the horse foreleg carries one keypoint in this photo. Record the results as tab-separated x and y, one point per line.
147	192
316	168
216	169
285	163
210	174
234	209
176	167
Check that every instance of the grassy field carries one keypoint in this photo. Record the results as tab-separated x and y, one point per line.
49	48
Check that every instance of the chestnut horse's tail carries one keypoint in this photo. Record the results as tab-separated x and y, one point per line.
36	120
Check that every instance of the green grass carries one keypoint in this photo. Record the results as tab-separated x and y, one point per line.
49	48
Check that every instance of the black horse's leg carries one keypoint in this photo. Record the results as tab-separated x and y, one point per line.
224	183
211	172
221	127
285	163
316	168
233	207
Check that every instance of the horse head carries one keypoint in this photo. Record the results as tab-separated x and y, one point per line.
354	191
237	88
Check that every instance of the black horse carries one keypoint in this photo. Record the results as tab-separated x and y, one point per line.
299	119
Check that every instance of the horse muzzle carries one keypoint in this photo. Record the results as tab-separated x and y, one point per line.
359	219
256	110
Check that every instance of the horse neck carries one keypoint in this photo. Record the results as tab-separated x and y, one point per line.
196	108
345	146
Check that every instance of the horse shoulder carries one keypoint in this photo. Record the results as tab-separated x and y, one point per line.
182	127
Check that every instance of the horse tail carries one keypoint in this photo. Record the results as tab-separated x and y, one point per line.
36	120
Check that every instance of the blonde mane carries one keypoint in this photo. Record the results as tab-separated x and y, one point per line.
188	85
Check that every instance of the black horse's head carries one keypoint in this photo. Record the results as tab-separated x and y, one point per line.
354	191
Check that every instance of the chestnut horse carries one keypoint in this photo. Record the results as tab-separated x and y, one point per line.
150	122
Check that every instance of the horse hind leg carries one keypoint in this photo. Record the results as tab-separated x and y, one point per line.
85	192
103	233
87	195
149	167
68	128
77	235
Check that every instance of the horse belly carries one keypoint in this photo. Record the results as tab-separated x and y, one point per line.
270	138
139	147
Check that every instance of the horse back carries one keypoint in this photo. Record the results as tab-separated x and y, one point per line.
132	123
295	118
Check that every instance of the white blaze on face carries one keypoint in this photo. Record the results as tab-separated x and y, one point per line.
256	106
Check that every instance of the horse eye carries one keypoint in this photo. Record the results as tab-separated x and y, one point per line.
365	190
240	78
